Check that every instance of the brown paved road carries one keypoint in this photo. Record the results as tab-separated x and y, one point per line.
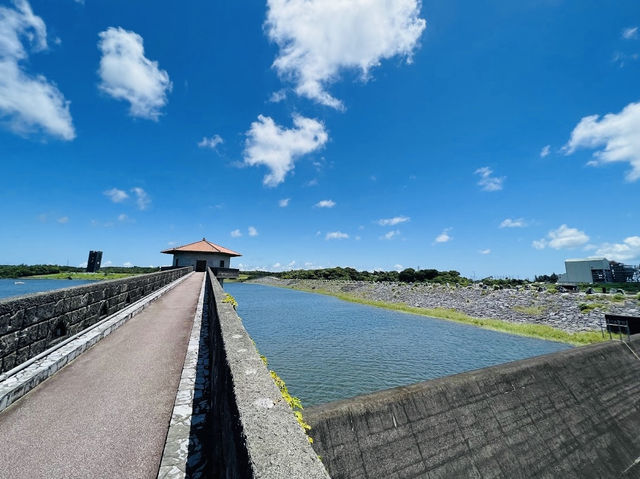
106	414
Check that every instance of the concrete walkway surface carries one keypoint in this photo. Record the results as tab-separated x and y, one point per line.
106	414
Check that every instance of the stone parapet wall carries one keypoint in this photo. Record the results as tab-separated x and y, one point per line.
572	414
33	323
252	431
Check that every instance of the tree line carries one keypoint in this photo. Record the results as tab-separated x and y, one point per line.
24	271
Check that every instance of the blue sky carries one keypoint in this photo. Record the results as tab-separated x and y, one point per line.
496	139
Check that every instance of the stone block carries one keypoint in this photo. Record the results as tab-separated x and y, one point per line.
46	311
8	343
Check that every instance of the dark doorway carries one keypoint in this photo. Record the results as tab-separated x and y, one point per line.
201	266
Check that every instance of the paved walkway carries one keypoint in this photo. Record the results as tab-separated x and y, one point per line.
106	414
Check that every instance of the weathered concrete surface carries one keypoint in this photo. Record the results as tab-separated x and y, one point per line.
252	430
31	324
572	414
106	414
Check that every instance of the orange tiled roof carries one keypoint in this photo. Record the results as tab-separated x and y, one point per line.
203	246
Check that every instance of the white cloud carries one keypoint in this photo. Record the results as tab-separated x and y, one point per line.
393	221
336	235
444	237
107	263
277	148
545	151
630	33
390	234
562	238
629	249
122	217
212	142
253	231
127	264
82	265
291	264
539	244
509	223
142	198
617	134
325	204
284	202
236	233
28	102
277	265
63	220
485	251
487	181
278	96
116	195
318	39
308	264
126	74
398	267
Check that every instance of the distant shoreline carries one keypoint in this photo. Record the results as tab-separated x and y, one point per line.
541	315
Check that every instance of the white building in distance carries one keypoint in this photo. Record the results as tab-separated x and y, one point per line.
203	254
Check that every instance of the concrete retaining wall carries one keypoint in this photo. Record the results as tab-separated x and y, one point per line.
575	413
31	324
251	430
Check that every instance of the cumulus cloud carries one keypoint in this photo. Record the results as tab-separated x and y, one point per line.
28	102
253	231
277	148
116	195
211	142
630	33
142	198
545	151
325	204
562	238
126	74
318	39
278	96
485	251
616	135
128	264
628	250
444	237
487	181
509	223
336	235
396	220
284	202
236	233
390	234
63	220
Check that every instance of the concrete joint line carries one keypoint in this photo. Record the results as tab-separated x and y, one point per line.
20	380
179	436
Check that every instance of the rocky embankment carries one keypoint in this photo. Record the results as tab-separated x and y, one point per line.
571	312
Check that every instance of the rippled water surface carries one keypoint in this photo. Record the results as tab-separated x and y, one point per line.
327	349
8	287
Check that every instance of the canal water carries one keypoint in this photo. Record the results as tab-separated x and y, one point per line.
9	288
327	349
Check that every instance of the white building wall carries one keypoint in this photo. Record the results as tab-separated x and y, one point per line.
213	260
579	271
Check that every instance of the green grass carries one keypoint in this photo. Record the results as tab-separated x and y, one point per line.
588	307
87	276
240	279
538	331
618	298
530	310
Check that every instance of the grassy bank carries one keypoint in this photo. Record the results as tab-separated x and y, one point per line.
538	331
85	276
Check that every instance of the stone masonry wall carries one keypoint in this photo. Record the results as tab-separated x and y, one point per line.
572	414
31	324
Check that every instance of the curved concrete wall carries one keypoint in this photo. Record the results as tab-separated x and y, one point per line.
575	413
31	324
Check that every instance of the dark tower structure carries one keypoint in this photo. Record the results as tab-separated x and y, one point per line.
93	263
